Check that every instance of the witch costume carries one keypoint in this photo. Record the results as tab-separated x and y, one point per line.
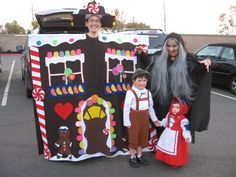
199	81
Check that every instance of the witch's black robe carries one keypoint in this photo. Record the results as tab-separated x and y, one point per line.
199	108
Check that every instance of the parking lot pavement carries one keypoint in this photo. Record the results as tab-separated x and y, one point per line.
213	154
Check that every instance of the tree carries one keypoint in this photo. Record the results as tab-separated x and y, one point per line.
224	28
14	28
137	25
228	22
1	29
120	23
34	24
120	20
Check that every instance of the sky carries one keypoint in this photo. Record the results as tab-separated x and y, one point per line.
182	16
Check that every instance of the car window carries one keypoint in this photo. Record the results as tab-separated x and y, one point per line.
210	51
156	41
228	54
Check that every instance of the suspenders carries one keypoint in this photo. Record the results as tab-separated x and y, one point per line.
139	99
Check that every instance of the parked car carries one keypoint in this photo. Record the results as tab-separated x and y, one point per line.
223	57
156	38
0	62
55	21
0	59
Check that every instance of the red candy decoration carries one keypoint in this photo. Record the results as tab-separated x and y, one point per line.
38	94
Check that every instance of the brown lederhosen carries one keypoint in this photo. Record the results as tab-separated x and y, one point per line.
139	130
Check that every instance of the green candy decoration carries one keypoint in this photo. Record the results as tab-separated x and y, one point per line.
67	71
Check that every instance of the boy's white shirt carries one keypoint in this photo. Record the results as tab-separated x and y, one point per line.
186	133
130	102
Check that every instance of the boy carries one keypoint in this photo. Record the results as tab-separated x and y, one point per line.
138	106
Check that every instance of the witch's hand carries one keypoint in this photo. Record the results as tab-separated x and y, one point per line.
207	63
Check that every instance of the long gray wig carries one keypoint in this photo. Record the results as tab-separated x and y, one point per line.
174	79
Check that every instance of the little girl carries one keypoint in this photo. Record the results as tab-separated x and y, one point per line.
172	146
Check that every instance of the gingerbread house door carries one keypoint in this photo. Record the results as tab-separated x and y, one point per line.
95	119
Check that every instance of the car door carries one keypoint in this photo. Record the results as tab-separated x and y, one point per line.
225	65
214	53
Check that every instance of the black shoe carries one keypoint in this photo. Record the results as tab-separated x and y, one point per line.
142	161
133	162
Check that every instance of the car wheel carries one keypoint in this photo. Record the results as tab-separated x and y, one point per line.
27	90
233	85
22	74
0	65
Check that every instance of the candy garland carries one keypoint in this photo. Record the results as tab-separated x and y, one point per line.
57	39
136	40
117	88
38	95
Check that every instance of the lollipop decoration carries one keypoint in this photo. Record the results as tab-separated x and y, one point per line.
68	74
118	71
38	94
71	77
93	8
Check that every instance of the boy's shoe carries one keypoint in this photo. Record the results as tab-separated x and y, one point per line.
142	161
133	162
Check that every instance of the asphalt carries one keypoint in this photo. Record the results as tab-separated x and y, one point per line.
213	154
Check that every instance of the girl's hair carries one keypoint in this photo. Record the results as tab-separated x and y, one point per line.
174	79
175	101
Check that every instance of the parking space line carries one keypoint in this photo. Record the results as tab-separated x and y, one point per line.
232	98
5	94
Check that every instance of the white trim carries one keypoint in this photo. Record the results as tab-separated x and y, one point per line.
6	91
219	94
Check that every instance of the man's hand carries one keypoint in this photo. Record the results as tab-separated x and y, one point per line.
141	48
138	49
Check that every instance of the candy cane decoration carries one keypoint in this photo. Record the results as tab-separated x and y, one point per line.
153	139
38	95
93	8
35	67
106	131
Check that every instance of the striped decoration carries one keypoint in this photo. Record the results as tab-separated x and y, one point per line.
35	67
153	139
37	87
